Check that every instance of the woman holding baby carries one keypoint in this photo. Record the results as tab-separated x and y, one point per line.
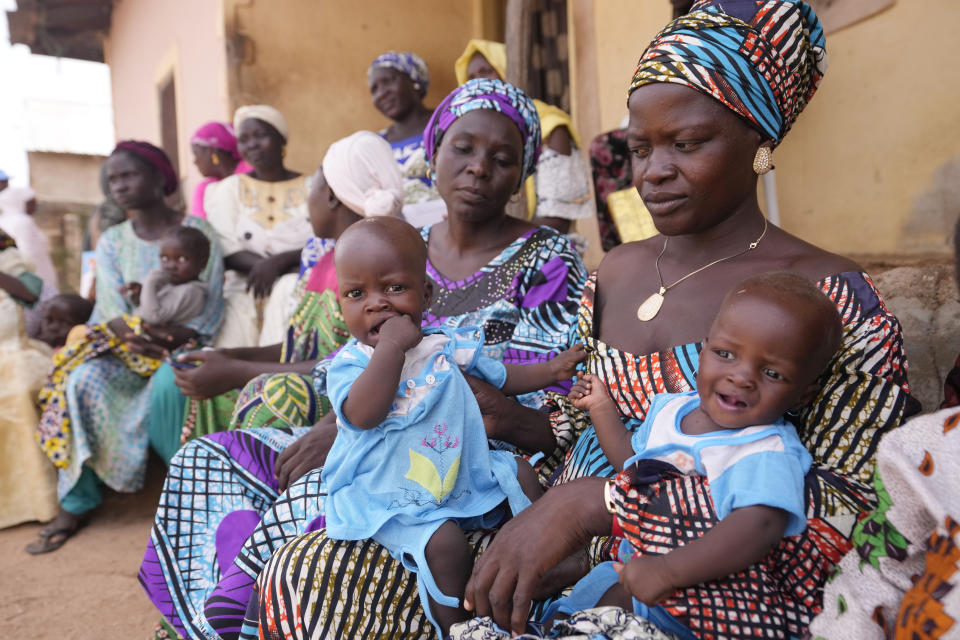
704	119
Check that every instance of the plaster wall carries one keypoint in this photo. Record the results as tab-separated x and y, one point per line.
309	59
873	163
149	40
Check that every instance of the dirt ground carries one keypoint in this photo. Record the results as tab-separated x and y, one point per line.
88	588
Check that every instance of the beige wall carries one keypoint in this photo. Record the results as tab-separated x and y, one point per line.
309	58
147	41
873	164
65	177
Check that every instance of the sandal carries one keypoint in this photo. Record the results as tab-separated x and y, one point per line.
51	539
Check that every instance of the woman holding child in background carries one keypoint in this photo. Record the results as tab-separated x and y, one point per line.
262	224
518	281
101	436
247	387
703	123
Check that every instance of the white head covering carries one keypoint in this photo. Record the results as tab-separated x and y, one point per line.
362	173
15	199
262	112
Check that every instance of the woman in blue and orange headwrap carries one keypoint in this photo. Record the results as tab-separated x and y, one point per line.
712	96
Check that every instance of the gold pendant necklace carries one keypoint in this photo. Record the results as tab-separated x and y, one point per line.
650	307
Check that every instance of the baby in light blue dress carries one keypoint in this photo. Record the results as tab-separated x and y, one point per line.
411	467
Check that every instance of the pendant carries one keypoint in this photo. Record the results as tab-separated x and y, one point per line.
651	306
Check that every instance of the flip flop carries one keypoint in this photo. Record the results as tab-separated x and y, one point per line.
52	539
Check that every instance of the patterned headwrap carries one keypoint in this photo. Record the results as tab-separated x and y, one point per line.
153	156
218	135
495	95
761	59
409	64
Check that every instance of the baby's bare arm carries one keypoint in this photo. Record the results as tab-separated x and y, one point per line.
589	394
741	539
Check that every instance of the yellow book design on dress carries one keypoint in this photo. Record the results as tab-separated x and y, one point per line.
630	216
424	472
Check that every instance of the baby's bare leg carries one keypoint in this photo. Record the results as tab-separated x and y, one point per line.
448	556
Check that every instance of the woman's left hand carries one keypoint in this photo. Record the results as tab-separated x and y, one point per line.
264	273
139	344
169	336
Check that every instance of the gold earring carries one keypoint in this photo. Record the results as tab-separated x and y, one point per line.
283	152
761	161
215	159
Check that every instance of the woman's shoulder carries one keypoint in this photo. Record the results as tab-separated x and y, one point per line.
809	260
622	260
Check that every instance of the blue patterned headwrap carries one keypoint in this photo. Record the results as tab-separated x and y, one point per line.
409	64
495	95
763	59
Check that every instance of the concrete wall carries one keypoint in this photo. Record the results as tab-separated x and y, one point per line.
66	177
873	164
149	40
309	58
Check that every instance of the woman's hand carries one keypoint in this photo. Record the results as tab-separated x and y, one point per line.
131	291
262	275
264	272
507	575
140	344
215	374
564	366
307	453
508	420
169	336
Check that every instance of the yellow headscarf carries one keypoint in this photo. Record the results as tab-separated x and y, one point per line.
551	117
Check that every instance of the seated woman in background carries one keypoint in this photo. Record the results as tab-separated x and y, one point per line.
900	578
94	427
214	148
398	82
28	479
559	192
249	387
262	224
517	281
17	206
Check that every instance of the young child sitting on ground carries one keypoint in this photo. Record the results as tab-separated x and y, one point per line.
61	314
771	340
173	293
411	467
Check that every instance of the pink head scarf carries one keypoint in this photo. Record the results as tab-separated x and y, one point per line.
218	135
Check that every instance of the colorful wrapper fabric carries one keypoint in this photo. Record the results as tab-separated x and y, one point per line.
218	135
53	432
409	64
494	95
763	60
155	157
